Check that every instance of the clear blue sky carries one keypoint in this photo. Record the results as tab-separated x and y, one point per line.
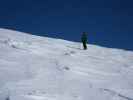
108	22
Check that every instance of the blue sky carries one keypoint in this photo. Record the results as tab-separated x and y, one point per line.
108	22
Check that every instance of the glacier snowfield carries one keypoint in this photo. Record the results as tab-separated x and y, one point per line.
42	68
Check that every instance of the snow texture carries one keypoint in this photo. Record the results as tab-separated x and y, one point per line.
42	68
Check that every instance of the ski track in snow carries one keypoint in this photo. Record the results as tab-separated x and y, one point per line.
40	68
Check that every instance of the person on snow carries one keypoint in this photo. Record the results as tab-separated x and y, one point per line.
84	40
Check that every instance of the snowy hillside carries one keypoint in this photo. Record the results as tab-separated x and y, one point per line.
41	68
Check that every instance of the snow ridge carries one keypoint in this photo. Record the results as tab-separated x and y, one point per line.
42	68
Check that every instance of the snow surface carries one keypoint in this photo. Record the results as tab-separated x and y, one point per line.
42	68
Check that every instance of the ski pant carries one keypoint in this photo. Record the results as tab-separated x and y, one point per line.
84	45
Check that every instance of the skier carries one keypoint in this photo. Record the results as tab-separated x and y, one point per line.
84	40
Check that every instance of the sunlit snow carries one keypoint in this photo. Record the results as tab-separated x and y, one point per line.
42	68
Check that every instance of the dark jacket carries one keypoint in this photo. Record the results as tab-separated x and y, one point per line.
84	37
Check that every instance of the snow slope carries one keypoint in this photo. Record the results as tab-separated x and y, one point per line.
41	68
